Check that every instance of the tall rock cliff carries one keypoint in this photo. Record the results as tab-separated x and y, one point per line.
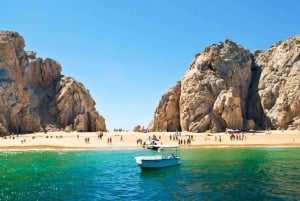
167	115
35	96
228	87
279	83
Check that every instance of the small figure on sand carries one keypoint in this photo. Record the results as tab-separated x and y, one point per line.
109	140
87	140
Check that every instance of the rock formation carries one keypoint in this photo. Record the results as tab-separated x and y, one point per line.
279	83
35	96
167	114
226	86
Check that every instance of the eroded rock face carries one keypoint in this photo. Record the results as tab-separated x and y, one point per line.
279	83
14	102
228	87
82	114
166	116
42	72
215	88
36	97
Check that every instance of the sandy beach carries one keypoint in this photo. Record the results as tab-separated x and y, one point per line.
128	140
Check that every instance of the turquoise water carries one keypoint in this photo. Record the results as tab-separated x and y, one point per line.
205	174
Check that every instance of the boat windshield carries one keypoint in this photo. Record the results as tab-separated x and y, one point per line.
169	151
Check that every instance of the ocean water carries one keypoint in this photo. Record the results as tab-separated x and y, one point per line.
205	174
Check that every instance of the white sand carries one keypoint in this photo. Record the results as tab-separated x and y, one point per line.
63	140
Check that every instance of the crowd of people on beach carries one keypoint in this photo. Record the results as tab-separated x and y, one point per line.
181	140
172	138
184	141
237	136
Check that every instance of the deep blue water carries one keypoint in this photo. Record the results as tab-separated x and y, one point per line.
205	174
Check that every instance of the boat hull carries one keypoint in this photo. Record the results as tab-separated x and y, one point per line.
153	147
155	163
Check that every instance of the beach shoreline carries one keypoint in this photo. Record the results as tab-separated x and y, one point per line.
129	140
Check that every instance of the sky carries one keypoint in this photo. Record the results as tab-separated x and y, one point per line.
128	53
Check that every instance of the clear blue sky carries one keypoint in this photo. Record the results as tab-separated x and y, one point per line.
128	53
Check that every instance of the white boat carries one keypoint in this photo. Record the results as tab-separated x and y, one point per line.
152	143
152	146
168	156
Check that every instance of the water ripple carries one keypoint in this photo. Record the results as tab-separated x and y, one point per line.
205	174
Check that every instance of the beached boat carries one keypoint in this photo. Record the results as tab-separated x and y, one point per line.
152	146
152	143
168	156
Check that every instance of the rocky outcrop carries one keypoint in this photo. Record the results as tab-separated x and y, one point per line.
35	96
82	115
279	83
167	115
228	87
